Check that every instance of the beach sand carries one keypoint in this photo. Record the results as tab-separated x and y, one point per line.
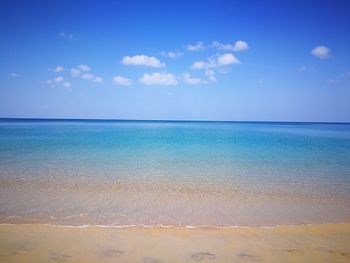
43	243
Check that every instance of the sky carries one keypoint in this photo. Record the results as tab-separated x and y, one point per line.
176	60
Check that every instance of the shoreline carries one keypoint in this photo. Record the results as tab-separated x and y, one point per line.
156	226
45	243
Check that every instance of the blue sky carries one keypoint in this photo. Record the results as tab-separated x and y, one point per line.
178	60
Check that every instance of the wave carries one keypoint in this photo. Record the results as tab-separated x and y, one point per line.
167	226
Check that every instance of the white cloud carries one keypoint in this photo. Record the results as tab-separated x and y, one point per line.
58	79
171	54
75	72
98	80
142	60
59	69
14	75
200	65
67	36
158	79
192	81
87	76
321	52
196	47
119	80
66	84
218	61
210	74
83	67
218	45
238	46
83	71
227	59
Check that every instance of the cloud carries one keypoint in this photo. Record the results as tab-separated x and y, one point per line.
58	79
66	84
157	78
227	59
98	80
83	71
171	54
59	69
74	72
210	74
192	81
67	36
87	76
218	45
121	81
83	67
142	60
14	75
321	52
201	65
196	47
218	61
238	46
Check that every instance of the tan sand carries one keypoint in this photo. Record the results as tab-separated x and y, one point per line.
40	243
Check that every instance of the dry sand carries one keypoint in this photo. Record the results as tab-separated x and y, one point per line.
42	243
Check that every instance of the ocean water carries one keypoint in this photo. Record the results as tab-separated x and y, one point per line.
119	173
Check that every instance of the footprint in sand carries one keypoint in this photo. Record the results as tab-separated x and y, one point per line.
112	253
293	251
343	254
247	256
16	250
151	260
58	257
203	256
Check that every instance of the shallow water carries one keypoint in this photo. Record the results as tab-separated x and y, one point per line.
173	173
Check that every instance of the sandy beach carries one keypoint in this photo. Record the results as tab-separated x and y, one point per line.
42	243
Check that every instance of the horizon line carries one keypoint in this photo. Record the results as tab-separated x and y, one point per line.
164	120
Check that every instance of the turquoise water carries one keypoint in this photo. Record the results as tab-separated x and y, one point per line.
173	173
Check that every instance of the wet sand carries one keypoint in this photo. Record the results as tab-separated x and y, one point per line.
42	243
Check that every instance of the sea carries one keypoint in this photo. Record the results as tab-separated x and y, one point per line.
123	173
